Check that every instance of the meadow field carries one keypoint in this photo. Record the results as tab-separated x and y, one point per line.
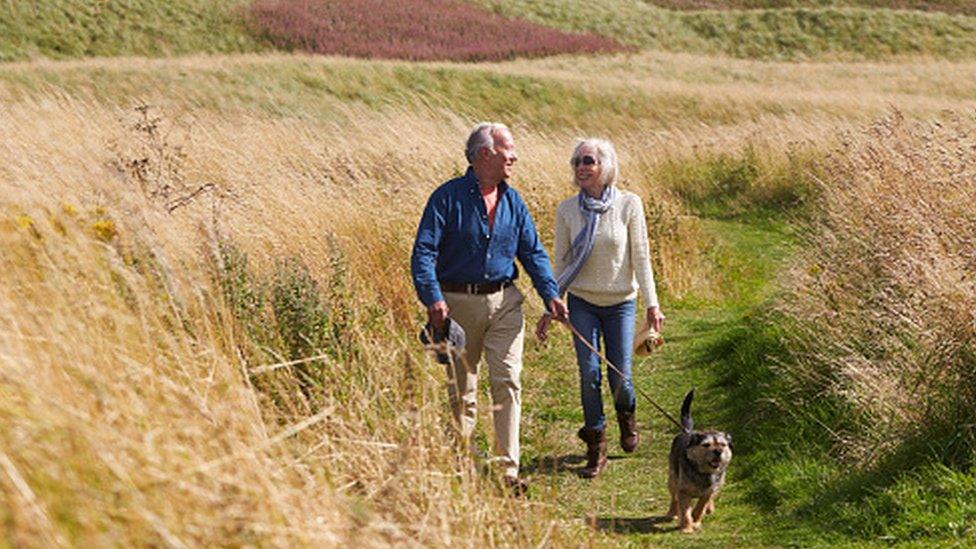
208	329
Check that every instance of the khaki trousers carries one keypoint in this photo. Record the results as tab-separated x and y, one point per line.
493	325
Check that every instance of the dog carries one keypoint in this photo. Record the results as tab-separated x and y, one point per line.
697	465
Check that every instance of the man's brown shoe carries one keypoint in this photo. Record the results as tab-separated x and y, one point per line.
628	431
596	451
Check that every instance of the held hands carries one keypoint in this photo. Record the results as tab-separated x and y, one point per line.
558	311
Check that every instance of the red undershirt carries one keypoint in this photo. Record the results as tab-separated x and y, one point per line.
491	204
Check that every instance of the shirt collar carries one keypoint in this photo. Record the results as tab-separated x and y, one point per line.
473	182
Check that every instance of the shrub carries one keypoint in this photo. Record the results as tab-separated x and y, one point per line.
302	317
288	317
412	29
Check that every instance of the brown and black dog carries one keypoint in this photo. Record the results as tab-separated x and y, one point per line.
697	464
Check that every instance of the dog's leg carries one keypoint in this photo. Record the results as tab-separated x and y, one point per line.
703	503
710	508
673	489
687	525
673	510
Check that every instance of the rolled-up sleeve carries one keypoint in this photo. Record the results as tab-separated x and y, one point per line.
423	260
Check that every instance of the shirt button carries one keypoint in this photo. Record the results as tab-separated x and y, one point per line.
489	256
486	275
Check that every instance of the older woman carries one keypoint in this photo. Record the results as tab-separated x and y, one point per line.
602	258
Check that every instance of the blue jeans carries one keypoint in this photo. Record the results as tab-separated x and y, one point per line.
616	324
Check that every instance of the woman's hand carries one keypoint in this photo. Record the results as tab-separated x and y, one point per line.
542	327
655	318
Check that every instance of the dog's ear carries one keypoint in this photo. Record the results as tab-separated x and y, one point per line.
728	440
696	439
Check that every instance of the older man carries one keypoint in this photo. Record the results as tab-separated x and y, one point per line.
463	264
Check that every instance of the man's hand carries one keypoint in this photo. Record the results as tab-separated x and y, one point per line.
542	327
437	314
655	318
558	309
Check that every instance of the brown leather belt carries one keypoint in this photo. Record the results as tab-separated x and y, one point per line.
479	289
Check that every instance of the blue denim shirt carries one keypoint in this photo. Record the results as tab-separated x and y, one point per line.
453	243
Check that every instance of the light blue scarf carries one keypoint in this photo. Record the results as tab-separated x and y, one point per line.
591	208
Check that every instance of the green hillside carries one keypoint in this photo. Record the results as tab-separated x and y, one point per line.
781	30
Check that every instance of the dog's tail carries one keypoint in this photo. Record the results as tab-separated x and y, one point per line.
686	423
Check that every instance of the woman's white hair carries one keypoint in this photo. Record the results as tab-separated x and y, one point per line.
482	136
605	154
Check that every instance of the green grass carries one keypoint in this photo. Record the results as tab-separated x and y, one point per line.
62	29
782	34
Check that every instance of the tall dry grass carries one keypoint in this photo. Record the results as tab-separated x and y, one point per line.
880	302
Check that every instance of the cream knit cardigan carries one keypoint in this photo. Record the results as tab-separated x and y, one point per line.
619	263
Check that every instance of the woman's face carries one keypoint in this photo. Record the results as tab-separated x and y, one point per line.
586	170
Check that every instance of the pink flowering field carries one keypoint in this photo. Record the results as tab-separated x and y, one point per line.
418	30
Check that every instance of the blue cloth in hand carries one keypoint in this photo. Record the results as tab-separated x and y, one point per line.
452	333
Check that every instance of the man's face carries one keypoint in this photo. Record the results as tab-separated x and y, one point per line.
498	162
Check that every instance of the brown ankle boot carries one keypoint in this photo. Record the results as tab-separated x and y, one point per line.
596	451
628	431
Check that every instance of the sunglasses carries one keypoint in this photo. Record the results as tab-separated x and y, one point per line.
585	160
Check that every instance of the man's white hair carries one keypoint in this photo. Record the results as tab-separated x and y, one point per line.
605	154
482	136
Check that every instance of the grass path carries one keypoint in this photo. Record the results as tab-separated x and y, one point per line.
626	503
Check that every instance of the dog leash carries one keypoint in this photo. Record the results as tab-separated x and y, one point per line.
580	337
